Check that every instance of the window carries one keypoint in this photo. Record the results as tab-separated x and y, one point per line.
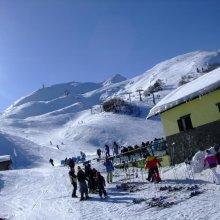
185	123
218	105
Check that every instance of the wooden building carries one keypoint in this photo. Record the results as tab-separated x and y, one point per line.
5	162
191	116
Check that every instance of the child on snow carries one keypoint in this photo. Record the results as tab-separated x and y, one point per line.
101	184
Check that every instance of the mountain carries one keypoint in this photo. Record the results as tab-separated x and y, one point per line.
115	79
70	113
61	120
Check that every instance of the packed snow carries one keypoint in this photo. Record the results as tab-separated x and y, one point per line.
61	120
5	158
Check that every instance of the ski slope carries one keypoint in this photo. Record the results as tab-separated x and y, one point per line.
45	193
33	127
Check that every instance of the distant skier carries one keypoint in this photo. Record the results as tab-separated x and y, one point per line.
99	152
82	184
73	180
51	161
101	184
83	156
109	169
107	151
65	161
115	148
210	161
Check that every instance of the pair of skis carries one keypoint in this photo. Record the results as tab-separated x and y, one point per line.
162	202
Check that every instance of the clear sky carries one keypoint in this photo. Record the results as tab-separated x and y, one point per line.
55	41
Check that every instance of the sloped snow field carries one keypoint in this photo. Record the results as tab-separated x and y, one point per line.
50	124
45	193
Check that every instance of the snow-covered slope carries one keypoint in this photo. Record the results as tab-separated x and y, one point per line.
70	112
85	95
61	120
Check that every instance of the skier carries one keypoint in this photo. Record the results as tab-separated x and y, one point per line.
82	184
151	164
101	184
107	152
109	169
99	153
73	180
51	161
210	161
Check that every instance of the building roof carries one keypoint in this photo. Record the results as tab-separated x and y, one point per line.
5	158
201	86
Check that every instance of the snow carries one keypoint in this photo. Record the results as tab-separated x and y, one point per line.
5	158
201	86
33	126
45	193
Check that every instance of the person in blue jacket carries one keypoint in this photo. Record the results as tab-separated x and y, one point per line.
109	169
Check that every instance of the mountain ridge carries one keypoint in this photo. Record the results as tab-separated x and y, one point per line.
71	113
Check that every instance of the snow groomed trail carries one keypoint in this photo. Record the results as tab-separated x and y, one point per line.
45	193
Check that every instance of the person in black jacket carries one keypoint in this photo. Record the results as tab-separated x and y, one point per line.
71	164
90	176
73	180
99	152
101	184
82	184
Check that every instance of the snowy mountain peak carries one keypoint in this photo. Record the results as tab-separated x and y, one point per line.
115	79
72	112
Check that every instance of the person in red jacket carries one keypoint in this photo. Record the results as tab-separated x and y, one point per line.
151	163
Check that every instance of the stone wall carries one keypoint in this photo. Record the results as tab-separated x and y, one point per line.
186	144
5	165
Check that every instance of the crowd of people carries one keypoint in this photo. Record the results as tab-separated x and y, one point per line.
151	161
89	179
157	144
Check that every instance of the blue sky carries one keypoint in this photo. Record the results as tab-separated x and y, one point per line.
55	41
